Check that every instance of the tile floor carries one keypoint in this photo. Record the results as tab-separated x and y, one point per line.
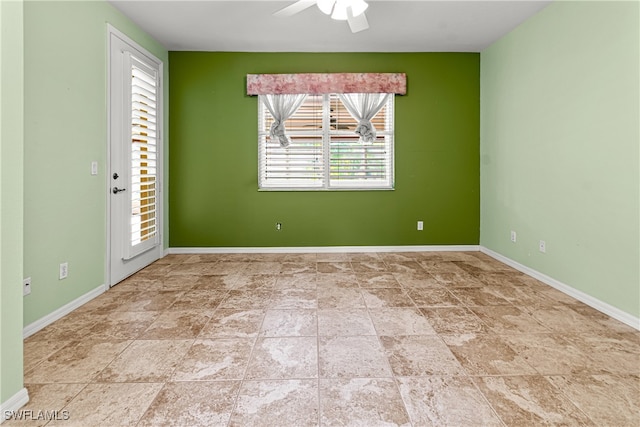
361	339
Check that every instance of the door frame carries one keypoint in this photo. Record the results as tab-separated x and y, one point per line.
111	31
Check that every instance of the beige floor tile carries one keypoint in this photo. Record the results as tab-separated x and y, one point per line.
300	257
277	403
255	282
150	301
479	296
610	352
192	404
449	338
77	362
145	361
420	355
364	257
176	325
487	354
199	299
454	320
606	399
455	279
336	280
122	325
363	402
562	319
446	401
332	257
233	323
284	358
386	297
334	267
407	267
74	326
215	359
247	299
509	320
551	354
218	283
37	351
109	405
607	322
349	357
263	267
418	281
395	321
298	267
377	280
345	322
296	281
294	298
44	400
390	257
289	323
529	401
436	297
368	266
335	297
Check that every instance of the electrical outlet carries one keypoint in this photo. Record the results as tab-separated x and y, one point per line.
278	226
64	270
542	246
513	236
26	286
420	225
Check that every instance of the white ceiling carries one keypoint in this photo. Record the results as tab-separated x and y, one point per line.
395	26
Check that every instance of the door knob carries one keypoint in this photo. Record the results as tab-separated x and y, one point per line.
117	190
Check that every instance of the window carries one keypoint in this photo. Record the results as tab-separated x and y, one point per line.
324	152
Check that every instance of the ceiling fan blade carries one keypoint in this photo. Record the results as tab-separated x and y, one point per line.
294	8
357	23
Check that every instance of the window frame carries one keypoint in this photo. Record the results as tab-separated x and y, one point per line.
327	135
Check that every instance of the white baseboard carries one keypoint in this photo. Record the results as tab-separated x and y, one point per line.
34	327
601	306
323	249
13	404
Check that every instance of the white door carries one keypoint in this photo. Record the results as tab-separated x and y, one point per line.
135	122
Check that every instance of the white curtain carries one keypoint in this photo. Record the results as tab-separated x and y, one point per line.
281	108
363	107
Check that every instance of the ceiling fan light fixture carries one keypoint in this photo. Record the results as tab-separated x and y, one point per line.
358	7
340	10
326	6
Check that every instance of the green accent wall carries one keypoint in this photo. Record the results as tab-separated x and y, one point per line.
65	130
214	197
560	147
11	185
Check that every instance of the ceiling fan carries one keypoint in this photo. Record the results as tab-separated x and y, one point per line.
350	10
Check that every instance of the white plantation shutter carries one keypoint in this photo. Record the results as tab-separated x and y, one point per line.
143	156
325	153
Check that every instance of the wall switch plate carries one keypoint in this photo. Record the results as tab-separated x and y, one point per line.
420	225
513	236
278	226
26	286
64	270
94	168
542	246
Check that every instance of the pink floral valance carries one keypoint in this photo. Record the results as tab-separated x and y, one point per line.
316	83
